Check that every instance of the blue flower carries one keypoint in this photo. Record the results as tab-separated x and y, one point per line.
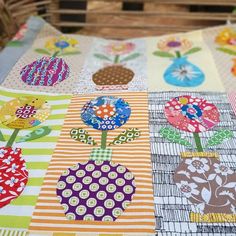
106	113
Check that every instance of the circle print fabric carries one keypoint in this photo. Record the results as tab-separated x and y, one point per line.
95	190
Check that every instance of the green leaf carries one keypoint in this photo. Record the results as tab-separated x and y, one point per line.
163	54
219	137
42	51
36	134
174	136
102	57
15	43
2	137
126	136
193	50
70	53
228	51
131	57
82	135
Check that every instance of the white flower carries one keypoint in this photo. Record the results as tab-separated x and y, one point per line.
15	151
2	191
8	160
12	168
2	153
11	181
184	72
222	169
22	186
188	189
197	164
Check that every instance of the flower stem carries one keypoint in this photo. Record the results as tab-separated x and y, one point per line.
117	59
104	139
198	142
178	54
12	138
55	54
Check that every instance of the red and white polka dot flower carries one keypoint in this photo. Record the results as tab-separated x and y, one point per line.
191	114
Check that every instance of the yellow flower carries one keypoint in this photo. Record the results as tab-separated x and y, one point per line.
24	112
174	44
62	43
227	37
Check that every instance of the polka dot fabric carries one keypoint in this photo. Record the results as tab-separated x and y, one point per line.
106	113
95	190
192	114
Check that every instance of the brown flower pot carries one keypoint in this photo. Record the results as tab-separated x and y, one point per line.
209	185
115	77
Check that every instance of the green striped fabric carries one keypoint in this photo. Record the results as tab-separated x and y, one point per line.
37	153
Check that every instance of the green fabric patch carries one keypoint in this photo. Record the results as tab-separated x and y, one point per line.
38	133
99	154
174	136
126	136
82	136
219	137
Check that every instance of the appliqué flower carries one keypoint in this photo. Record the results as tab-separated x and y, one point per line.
222	169
62	43
119	48
11	182
185	72
174	44
227	37
188	189
106	113
191	114
199	165
24	112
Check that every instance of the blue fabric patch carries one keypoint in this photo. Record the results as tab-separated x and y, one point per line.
10	55
106	113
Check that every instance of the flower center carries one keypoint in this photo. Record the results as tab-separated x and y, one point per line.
223	168
174	44
185	189
105	111
118	48
62	44
198	164
191	111
25	112
232	41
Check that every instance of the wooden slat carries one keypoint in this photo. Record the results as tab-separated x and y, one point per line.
79	24
175	2
179	15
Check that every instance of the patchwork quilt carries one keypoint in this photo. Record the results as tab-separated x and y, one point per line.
102	137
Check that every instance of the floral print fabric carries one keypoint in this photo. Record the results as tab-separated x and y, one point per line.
207	183
13	175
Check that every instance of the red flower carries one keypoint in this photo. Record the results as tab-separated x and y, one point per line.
191	114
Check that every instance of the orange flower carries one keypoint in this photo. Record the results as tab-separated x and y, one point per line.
174	44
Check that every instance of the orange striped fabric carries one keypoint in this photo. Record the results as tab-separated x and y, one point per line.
138	218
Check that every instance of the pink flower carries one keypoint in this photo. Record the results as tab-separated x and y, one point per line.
21	32
191	114
119	48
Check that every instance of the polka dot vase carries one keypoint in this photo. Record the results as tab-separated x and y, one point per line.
95	191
